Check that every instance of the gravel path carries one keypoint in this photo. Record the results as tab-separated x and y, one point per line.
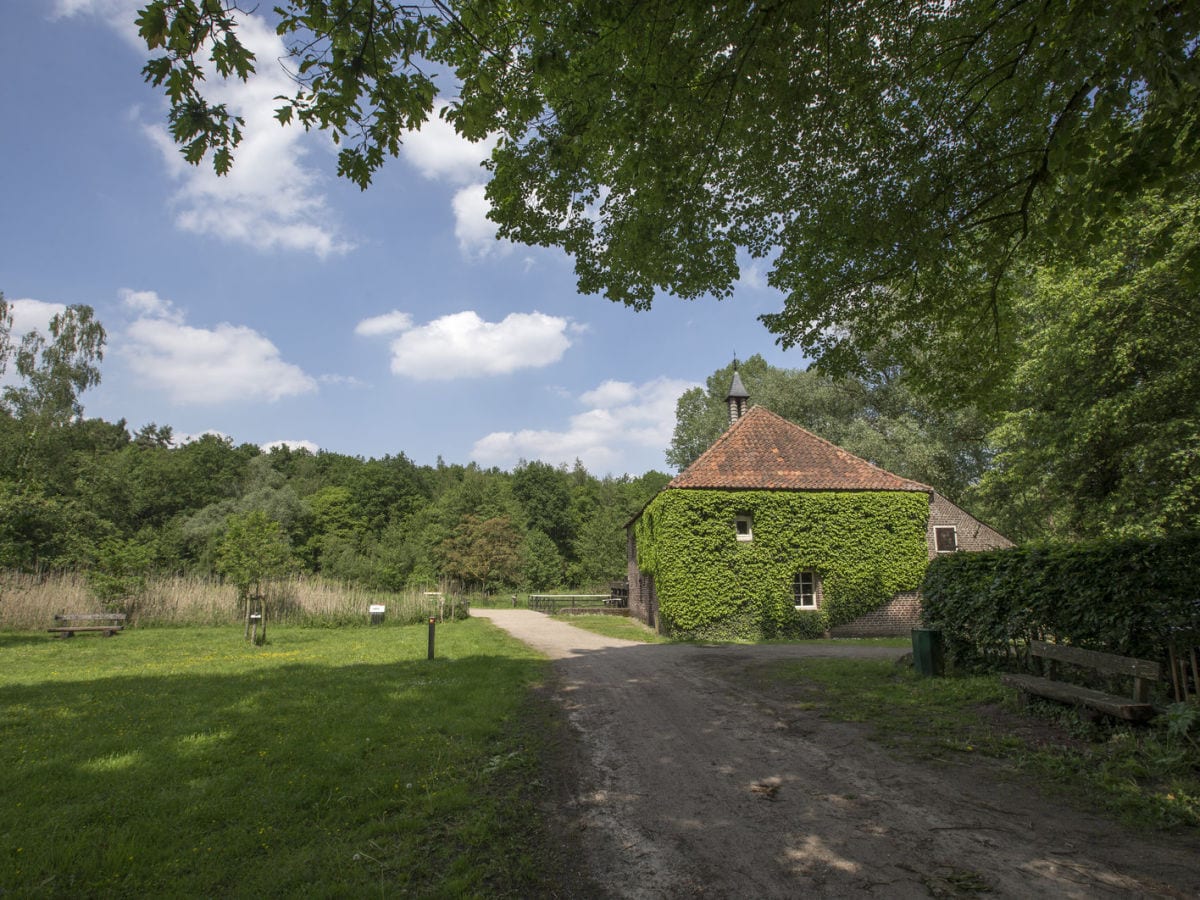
689	782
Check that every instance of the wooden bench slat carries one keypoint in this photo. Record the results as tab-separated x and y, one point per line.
1122	707
1107	663
67	624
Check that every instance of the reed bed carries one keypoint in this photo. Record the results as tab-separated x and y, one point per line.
29	602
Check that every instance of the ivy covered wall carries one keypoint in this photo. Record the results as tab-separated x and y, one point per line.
865	545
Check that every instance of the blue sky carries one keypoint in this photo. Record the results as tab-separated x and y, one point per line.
283	304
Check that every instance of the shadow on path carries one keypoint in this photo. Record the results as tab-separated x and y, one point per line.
689	783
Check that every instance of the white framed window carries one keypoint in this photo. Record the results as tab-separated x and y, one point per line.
806	589
743	527
945	538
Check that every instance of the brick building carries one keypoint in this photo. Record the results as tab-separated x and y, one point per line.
790	531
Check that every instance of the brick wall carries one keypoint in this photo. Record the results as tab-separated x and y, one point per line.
643	601
970	533
898	616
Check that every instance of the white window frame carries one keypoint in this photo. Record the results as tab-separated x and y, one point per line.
738	521
937	544
816	590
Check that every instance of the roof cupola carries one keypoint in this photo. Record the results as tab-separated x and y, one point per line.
738	397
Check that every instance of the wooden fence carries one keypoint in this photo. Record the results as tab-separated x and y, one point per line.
551	603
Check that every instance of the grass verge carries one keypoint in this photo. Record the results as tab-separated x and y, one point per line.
618	627
1145	776
185	762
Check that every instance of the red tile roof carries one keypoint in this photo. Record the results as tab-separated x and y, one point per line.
765	452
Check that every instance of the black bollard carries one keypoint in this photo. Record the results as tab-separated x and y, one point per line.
432	626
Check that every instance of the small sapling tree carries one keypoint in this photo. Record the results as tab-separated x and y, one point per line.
252	552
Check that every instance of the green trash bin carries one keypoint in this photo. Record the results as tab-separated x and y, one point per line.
927	651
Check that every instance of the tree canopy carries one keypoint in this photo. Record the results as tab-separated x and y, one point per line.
896	162
1101	430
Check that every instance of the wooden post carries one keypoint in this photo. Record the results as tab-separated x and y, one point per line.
1195	676
1141	690
432	626
1174	672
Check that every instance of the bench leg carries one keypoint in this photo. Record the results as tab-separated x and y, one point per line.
1141	690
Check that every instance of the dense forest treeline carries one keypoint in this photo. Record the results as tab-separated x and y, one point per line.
96	496
105	498
87	494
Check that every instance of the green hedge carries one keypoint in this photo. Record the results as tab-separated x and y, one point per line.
1120	596
865	545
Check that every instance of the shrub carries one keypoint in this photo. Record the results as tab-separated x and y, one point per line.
1130	596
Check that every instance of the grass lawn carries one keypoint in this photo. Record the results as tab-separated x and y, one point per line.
340	762
1142	774
618	627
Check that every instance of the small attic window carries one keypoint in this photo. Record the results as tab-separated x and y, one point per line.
945	538
743	526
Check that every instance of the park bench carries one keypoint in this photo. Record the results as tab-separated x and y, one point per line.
618	592
108	624
1136	708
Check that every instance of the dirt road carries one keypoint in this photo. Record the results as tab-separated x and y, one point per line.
689	783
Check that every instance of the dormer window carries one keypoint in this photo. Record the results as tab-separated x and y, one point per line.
945	538
744	528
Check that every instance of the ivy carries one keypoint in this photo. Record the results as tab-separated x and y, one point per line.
865	546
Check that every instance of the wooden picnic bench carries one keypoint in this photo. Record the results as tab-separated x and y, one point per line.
618	594
67	624
1136	708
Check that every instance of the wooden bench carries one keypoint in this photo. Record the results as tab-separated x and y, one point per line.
618	594
1136	708
108	624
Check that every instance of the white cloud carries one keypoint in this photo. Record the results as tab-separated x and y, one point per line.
609	394
388	323
441	154
112	10
476	233
205	366
463	345
342	380
32	315
270	200
149	304
753	276
622	420
291	445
